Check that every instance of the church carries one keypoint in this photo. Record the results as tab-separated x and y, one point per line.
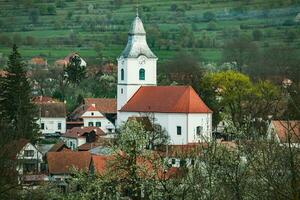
177	109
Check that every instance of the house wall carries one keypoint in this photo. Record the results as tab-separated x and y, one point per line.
37	158
51	125
74	143
170	121
105	123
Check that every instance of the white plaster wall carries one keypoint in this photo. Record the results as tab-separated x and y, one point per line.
105	123
68	142
51	125
199	119
92	113
170	121
37	155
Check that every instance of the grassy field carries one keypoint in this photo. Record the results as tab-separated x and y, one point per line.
78	25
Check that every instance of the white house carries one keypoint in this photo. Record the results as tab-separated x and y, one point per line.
178	109
92	117
29	158
52	117
78	136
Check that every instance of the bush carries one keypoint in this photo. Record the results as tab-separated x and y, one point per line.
212	26
257	35
209	16
51	10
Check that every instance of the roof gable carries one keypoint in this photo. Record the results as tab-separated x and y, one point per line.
166	99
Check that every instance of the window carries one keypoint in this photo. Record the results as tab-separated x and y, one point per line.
29	167
142	74
98	124
92	114
182	163
122	74
173	161
28	153
121	90
199	130
42	126
59	126
178	130
91	123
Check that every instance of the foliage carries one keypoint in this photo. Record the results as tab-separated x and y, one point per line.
75	70
248	105
15	99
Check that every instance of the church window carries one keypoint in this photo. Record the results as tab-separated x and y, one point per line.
173	161
122	91
122	74
199	130
142	74
178	130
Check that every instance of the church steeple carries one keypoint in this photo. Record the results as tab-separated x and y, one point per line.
136	65
137	44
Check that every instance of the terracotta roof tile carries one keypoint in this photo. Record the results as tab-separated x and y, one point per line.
43	99
60	146
76	132
166	99
52	109
63	162
103	105
283	129
100	163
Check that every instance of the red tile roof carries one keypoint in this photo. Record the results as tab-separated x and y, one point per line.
63	162
52	109
12	149
38	61
76	132
286	130
166	99
103	105
60	146
100	163
91	108
43	99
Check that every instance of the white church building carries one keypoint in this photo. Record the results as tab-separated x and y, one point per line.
178	109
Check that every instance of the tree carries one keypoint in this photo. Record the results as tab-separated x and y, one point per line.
209	16
242	51
34	15
257	35
190	74
75	71
245	105
15	99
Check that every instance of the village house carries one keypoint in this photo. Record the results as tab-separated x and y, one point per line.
62	164
52	118
178	109
285	132
99	112
78	136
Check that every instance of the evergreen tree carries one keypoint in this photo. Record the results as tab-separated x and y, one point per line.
16	107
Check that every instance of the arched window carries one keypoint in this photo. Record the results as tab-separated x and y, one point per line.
142	74
122	74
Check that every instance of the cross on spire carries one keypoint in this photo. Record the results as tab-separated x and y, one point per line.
137	8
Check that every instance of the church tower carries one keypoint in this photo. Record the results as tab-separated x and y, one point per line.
136	64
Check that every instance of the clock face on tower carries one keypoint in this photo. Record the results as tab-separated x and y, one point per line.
142	60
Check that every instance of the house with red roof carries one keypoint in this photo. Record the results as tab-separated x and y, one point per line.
285	132
99	112
178	109
78	136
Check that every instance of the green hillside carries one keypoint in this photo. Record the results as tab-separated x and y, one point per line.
95	28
